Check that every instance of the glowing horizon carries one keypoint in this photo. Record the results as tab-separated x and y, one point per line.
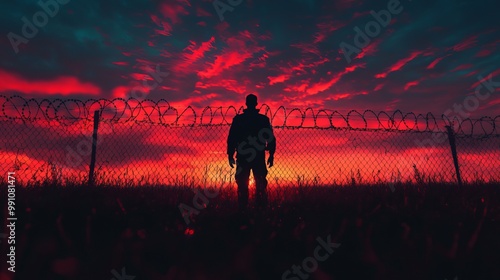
167	155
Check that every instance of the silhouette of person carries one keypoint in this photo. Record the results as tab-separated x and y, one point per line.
251	134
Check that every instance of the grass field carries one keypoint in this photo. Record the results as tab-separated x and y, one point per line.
417	231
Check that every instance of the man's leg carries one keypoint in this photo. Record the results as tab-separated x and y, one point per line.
242	176
259	174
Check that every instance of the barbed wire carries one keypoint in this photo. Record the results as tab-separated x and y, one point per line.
119	110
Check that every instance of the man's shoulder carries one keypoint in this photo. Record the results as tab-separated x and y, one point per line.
263	117
238	118
251	116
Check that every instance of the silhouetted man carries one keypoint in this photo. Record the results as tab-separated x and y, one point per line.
251	134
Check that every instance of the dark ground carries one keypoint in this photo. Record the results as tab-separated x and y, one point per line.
416	232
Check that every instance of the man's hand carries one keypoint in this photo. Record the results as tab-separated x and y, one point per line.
270	161
231	161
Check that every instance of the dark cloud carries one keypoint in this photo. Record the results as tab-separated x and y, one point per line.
288	52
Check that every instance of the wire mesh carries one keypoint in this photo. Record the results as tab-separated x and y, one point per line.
149	142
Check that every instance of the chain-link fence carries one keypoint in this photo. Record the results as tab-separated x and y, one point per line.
153	143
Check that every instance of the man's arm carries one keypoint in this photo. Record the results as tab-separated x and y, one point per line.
232	142
271	144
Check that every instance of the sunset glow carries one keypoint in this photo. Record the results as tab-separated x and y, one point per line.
181	63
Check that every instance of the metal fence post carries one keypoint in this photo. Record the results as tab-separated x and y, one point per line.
451	138
94	148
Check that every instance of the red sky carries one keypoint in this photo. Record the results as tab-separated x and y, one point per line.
432	56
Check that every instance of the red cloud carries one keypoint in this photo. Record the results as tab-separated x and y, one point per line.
223	62
202	13
167	27
278	79
411	84
322	86
120	63
228	84
436	61
172	11
488	49
120	92
398	65
462	67
301	87
339	96
486	77
198	52
470	42
260	63
192	54
125	92
194	101
64	85
368	50
301	67
236	53
483	53
325	29
378	87
307	48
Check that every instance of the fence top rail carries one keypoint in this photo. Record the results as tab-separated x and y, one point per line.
118	110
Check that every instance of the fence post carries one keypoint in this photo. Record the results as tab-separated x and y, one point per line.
451	138
94	148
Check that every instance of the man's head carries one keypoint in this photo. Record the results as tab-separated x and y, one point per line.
251	101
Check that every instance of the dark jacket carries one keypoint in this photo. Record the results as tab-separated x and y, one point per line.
250	133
